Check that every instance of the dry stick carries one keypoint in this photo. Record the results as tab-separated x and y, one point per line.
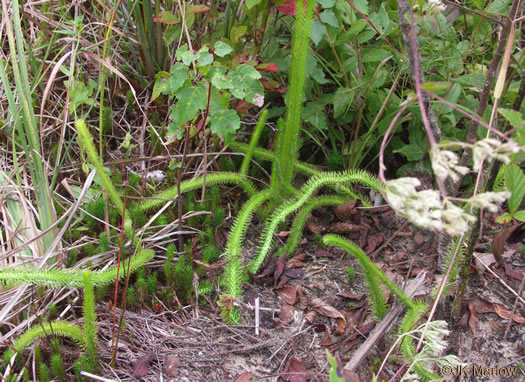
412	287
515	305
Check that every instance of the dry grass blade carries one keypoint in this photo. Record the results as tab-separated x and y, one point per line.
12	301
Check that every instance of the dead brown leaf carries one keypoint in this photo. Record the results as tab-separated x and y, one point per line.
244	377
323	253
329	311
346	210
142	364
285	316
480	305
512	273
288	294
373	241
342	227
279	268
295	371
171	365
351	295
498	243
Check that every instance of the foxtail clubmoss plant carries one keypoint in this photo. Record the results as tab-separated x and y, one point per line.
301	167
70	277
287	149
296	231
194	184
87	142
305	194
90	318
86	337
59	328
371	273
57	365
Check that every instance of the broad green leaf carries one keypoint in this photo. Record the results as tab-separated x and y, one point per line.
190	100
362	5
343	98
354	30
161	85
515	183
219	79
314	113
412	152
328	17
375	55
437	87
225	123
499	6
252	3
237	32
514	117
476	80
477	3
326	3
204	57
383	17
188	57
180	51
171	33
245	83
317	31
222	49
167	17
179	75
520	216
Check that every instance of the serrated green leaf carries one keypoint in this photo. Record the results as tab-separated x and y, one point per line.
188	57
499	6
161	85
326	3
328	17
383	16
354	30
237	32
219	79
520	216
514	117
362	5
222	49
180	51
245	83
515	183
476	80
343	98
204	57
375	55
225	123
317	31
412	152
179	75
190	100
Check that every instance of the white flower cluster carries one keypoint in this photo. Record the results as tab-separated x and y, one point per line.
427	210
490	148
445	164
